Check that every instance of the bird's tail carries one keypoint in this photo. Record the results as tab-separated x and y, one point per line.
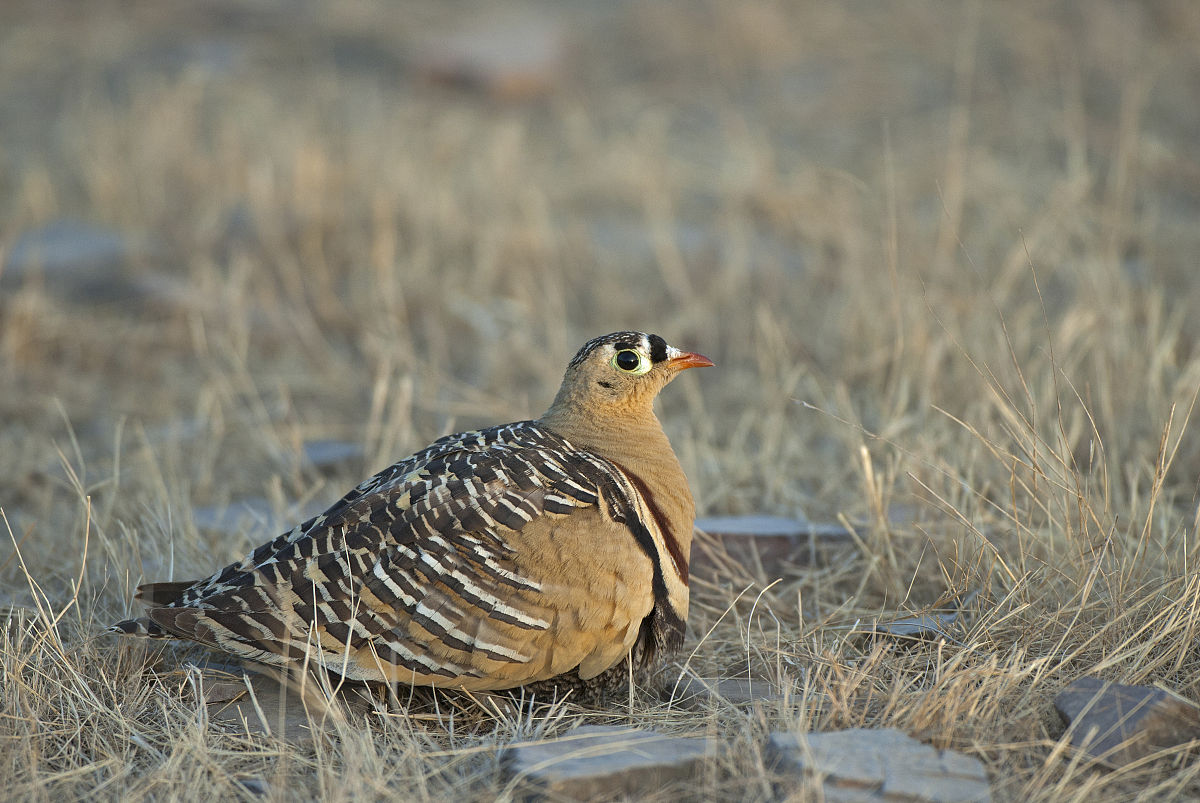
143	628
155	595
162	593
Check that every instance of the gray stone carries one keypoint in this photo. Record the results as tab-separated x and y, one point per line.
513	59
254	785
332	455
600	761
251	514
926	627
65	246
239	516
1117	724
735	691
71	259
879	765
751	541
260	705
755	525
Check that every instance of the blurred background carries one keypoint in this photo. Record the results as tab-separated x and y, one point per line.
944	256
234	229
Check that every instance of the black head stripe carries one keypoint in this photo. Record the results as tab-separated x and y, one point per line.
658	349
623	340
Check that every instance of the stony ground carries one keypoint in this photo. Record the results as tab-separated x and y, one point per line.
943	256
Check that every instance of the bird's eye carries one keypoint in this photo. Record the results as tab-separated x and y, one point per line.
631	362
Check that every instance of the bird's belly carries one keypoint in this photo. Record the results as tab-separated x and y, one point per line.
600	589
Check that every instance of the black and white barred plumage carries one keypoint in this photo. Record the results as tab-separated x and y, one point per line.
490	559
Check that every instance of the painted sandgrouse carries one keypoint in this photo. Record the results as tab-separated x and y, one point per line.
538	554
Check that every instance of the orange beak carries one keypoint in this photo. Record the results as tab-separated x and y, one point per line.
689	359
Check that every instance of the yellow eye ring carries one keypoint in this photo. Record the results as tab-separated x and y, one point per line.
630	362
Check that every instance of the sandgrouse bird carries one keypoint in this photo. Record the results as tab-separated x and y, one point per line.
536	554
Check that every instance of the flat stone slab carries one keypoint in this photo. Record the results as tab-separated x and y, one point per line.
261	705
75	261
1117	724
765	540
758	526
252	514
518	58
244	514
886	764
332	455
736	691
595	761
66	248
925	627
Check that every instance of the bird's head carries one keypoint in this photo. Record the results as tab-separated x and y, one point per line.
621	372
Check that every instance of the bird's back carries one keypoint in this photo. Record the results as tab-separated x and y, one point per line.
491	559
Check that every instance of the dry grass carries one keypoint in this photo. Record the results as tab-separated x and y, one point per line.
943	257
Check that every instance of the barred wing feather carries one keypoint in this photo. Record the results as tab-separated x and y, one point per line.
416	575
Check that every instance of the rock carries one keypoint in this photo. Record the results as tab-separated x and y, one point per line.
595	761
332	455
513	59
262	705
725	542
863	764
239	516
251	514
1118	724
254	785
926	627
735	691
73	260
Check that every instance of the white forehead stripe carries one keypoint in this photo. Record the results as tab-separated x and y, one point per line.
673	353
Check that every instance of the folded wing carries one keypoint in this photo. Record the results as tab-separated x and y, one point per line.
489	560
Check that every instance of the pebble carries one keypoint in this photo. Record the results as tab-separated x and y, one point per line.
596	761
768	541
695	691
513	60
273	709
1117	724
252	514
73	260
254	785
926	627
886	764
236	517
329	455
